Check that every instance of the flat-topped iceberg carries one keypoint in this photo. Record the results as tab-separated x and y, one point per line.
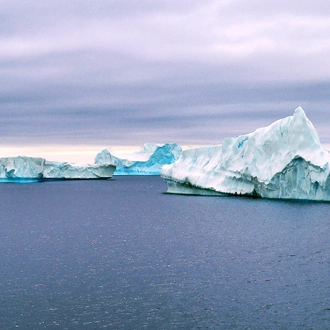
284	160
26	169
148	161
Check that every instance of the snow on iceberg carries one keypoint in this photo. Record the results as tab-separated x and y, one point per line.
148	161
284	160
59	170
30	169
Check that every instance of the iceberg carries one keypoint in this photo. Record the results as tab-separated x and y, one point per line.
21	168
284	161
148	161
32	169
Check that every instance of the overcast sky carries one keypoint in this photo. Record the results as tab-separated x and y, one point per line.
132	71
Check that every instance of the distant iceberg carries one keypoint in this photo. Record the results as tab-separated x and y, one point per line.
148	161
21	168
284	160
30	169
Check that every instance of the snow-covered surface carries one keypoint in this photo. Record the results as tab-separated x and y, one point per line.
59	170
284	160
147	161
26	169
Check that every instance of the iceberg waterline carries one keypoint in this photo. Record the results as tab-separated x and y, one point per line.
284	160
148	161
30	169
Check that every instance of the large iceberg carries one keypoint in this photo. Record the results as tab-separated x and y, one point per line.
148	161
27	169
284	160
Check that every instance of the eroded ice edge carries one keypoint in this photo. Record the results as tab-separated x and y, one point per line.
284	160
33	169
148	161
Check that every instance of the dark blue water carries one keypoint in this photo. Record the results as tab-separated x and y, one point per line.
121	254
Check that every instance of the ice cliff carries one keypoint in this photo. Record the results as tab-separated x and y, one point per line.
148	161
21	168
17	169
284	160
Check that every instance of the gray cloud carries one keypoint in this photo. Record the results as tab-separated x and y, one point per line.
114	72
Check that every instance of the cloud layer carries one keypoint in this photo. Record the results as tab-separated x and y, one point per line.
127	72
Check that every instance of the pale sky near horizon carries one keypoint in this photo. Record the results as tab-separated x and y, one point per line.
73	153
127	72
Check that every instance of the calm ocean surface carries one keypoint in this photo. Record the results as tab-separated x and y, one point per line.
121	254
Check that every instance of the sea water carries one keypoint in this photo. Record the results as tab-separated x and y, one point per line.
122	254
